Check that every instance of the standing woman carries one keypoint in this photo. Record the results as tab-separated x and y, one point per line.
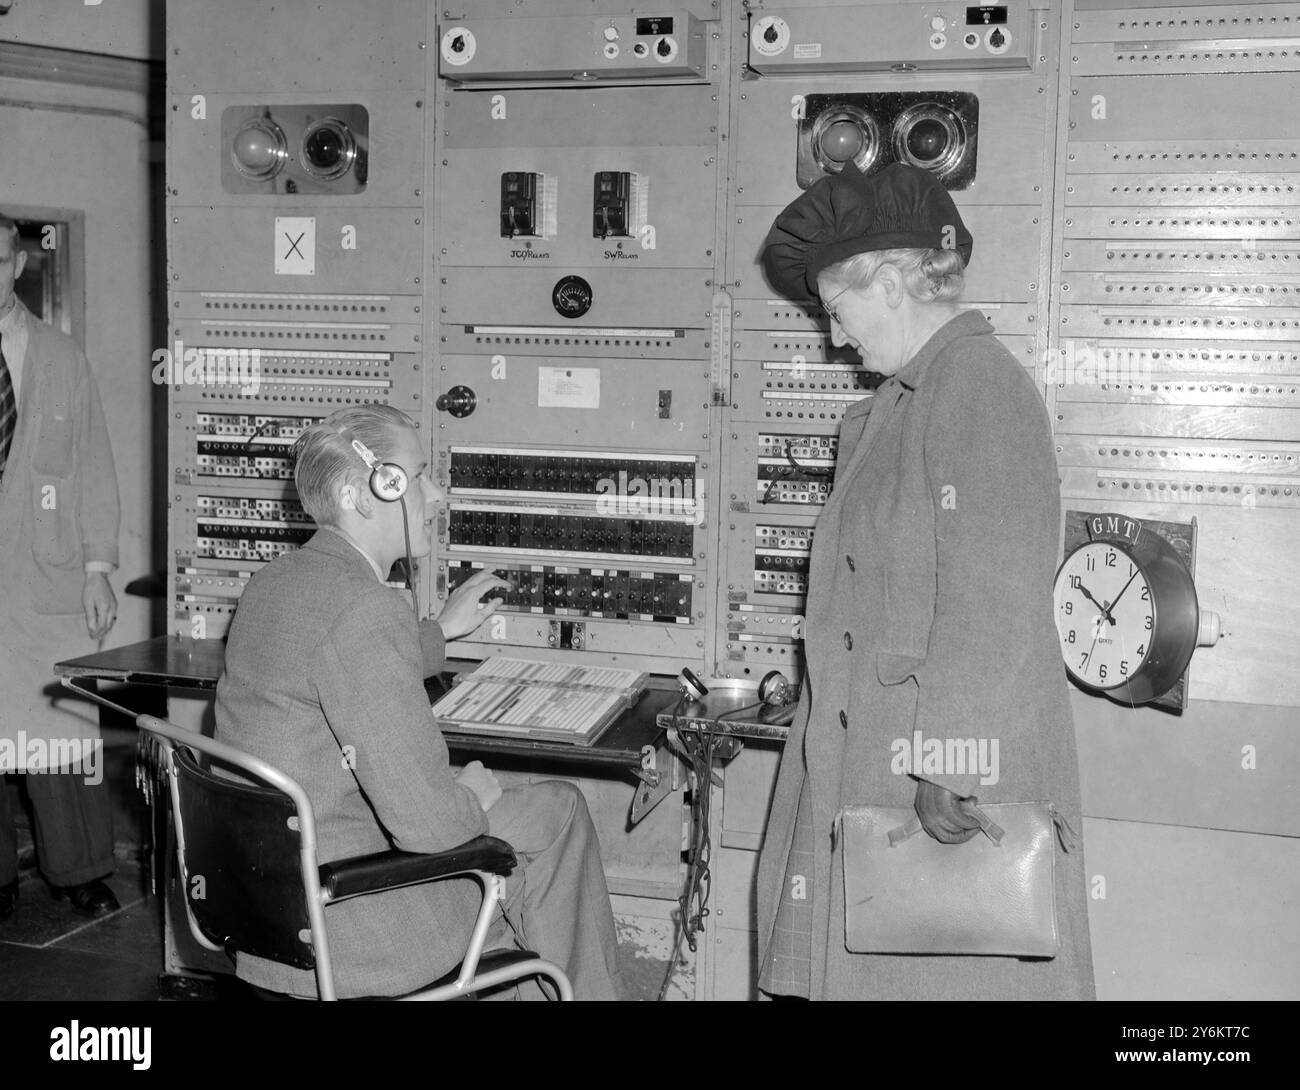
929	601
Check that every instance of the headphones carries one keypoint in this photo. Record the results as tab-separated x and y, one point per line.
388	480
776	691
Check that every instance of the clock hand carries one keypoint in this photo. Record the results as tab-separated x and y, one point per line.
1121	593
1088	594
1093	648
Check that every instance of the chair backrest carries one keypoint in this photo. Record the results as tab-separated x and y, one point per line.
241	860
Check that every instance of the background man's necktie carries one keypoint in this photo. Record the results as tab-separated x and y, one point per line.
8	410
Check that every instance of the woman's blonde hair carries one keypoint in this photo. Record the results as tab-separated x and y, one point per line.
930	276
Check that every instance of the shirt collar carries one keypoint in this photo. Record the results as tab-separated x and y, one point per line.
969	323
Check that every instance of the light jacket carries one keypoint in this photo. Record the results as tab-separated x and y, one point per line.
58	510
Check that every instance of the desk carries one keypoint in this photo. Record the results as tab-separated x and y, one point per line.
183	663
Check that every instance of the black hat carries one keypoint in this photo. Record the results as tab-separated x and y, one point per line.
900	207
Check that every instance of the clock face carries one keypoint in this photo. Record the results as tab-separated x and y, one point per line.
1105	615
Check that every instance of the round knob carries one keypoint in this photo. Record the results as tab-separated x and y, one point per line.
611	34
459	401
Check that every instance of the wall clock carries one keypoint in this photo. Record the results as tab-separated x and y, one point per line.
1126	607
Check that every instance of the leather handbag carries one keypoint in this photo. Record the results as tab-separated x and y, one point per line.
995	894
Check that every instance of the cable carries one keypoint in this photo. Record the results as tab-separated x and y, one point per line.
410	564
784	472
700	748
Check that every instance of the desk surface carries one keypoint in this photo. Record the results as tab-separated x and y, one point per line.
164	660
182	663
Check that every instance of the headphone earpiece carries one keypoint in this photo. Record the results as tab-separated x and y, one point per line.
692	687
775	690
388	480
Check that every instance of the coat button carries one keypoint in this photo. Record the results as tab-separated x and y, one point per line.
848	641
844	720
849	561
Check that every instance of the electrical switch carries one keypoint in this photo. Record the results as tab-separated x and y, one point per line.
617	204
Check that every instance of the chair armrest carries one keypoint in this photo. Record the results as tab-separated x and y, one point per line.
381	871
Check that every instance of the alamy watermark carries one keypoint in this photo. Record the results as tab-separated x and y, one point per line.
1084	363
920	756
38	755
181	366
630	497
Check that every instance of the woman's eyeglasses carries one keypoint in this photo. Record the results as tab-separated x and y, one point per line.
826	305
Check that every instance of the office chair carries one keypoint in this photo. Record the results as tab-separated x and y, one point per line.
247	858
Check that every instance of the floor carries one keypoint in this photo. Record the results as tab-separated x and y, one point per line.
49	953
46	950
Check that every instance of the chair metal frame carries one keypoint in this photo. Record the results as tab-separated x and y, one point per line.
468	980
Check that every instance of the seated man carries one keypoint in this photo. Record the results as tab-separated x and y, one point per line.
324	679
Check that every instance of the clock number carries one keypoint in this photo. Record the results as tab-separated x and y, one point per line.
1083	662
1069	608
1146	594
1076	581
1069	636
1148	624
1091	562
1123	667
1101	671
1142	650
1110	558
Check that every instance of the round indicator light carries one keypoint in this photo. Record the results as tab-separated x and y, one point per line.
328	149
259	150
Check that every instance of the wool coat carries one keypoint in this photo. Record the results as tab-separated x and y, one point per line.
929	610
58	510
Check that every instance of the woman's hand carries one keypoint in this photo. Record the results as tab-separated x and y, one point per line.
944	815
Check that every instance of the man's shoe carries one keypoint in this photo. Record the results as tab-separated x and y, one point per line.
90	898
8	899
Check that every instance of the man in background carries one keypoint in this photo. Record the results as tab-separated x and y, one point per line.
58	546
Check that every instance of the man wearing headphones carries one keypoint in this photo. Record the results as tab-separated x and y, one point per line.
324	679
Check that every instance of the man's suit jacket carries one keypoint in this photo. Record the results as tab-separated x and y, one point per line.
324	679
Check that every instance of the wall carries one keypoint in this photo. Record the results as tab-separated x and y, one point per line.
120	28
